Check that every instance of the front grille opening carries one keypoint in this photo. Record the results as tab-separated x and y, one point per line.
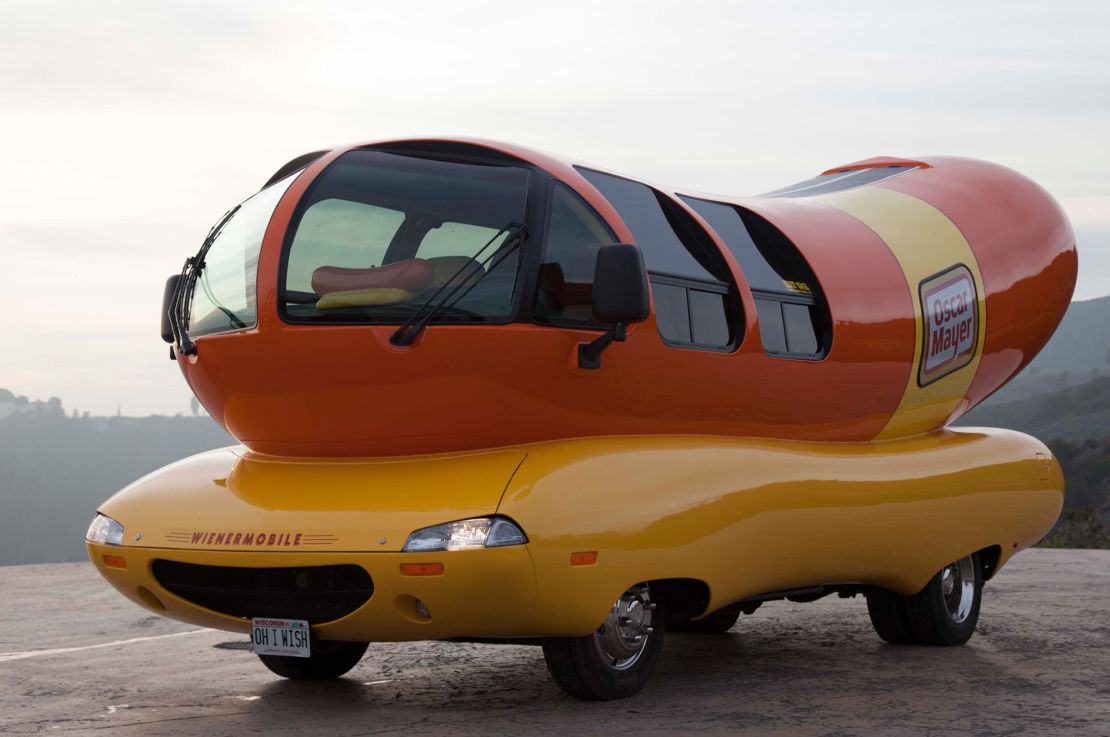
315	593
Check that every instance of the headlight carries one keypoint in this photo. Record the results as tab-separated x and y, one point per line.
105	531
467	534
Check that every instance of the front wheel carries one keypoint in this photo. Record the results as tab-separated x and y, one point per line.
329	660
945	612
615	661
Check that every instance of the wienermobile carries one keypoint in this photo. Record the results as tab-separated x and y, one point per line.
483	393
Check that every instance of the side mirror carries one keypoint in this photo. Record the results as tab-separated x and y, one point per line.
621	296
167	305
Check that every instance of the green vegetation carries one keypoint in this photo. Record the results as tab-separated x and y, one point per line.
1085	522
1078	528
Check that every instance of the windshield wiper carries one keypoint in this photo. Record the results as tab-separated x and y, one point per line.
412	327
182	300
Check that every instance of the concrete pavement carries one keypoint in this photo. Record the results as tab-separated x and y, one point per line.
76	658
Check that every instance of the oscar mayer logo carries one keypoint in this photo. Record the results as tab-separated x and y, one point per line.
950	318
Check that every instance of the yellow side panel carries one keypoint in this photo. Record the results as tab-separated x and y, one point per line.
751	516
925	242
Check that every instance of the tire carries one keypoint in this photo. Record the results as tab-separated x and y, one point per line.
717	623
329	660
888	616
945	612
609	664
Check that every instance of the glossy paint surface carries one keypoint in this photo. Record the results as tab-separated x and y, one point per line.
310	390
1025	248
742	516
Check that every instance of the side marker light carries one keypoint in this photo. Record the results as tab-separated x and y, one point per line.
421	569
586	558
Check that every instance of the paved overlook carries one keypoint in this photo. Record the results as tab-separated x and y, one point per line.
75	658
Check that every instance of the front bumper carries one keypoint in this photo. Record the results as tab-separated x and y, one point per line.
481	593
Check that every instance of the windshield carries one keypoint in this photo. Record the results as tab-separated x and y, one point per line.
224	295
380	233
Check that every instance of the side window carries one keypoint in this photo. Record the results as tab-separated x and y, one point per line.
793	315
342	233
696	305
575	233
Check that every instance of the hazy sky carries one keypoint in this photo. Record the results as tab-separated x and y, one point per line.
127	128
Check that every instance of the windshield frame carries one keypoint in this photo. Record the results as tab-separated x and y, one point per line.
526	262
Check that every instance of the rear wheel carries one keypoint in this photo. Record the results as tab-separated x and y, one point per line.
945	612
716	623
889	618
329	660
615	661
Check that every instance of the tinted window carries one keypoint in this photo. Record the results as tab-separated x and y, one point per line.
792	311
771	328
707	318
672	313
379	233
769	264
575	233
693	314
838	181
801	334
642	212
695	302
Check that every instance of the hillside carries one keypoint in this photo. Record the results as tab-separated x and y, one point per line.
1074	413
1078	352
55	470
1081	343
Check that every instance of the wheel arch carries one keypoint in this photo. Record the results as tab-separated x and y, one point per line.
989	558
683	596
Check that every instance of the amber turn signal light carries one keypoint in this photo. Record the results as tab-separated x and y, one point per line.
421	569
586	558
115	561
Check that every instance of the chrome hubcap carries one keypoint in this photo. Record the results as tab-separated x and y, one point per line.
624	634
957	584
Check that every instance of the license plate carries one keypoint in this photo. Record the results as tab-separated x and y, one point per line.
288	637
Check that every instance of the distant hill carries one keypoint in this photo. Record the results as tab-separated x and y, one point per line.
1081	343
55	470
1074	413
1078	352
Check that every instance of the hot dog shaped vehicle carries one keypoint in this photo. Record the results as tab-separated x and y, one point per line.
484	393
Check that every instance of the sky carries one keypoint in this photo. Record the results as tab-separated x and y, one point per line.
127	128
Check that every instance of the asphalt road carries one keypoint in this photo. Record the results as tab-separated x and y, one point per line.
76	658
